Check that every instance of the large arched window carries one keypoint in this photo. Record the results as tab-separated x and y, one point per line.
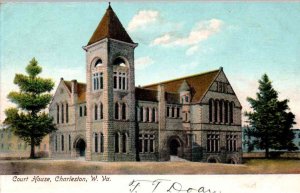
124	111
221	111
116	110
96	112
96	142
101	111
119	62
101	143
226	111
216	110
211	102
141	114
80	111
153	115
124	142
70	146
62	143
57	114
231	107
62	113
117	143
98	62
67	113
147	114
56	146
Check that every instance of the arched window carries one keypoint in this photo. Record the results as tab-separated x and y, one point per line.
62	143
67	113
211	101
56	143
96	112
119	62
178	112
98	62
115	80
62	113
117	143
101	111
147	114
84	110
226	111
124	142
70	143
57	114
116	110
216	110
80	111
124	111
173	111
221	111
101	143
231	106
96	142
168	111
141	114
153	115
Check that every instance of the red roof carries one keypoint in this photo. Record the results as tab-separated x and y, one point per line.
110	27
199	84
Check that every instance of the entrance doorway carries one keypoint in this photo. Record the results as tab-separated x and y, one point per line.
174	146
80	148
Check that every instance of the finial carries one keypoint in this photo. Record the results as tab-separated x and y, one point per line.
109	7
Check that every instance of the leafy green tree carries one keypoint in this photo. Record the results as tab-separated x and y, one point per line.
28	120
270	119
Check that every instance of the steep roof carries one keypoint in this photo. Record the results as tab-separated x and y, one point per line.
81	90
110	27
198	83
145	94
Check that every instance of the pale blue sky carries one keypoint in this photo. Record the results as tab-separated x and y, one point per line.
247	39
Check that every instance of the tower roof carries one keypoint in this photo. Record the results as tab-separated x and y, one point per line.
110	27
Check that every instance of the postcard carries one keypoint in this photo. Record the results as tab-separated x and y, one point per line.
151	96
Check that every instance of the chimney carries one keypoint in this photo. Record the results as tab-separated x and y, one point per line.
74	86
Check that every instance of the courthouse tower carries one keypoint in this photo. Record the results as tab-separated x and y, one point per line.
110	93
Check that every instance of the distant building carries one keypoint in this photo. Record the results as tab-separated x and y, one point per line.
12	146
196	117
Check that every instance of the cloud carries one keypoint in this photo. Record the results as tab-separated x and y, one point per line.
163	40
143	62
142	19
192	50
201	31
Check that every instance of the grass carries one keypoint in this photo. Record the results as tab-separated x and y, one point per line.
57	167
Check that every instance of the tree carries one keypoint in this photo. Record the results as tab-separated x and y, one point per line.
270	120
28	120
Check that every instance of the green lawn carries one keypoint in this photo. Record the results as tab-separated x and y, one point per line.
251	166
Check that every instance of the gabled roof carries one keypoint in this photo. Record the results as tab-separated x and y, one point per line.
81	90
198	83
110	27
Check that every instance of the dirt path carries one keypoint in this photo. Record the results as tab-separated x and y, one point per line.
55	167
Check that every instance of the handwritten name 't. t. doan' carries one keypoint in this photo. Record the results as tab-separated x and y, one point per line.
164	185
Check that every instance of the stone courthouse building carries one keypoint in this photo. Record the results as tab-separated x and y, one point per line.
196	118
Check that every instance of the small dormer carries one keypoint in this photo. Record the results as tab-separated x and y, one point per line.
185	93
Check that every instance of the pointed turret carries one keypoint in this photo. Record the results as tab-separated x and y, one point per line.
184	86
110	27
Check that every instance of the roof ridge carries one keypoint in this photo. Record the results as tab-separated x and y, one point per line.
184	77
71	81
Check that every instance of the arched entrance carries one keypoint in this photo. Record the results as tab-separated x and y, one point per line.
174	147
80	146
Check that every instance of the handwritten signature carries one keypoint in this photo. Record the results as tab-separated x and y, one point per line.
164	185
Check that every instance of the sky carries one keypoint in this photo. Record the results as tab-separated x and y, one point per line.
175	39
